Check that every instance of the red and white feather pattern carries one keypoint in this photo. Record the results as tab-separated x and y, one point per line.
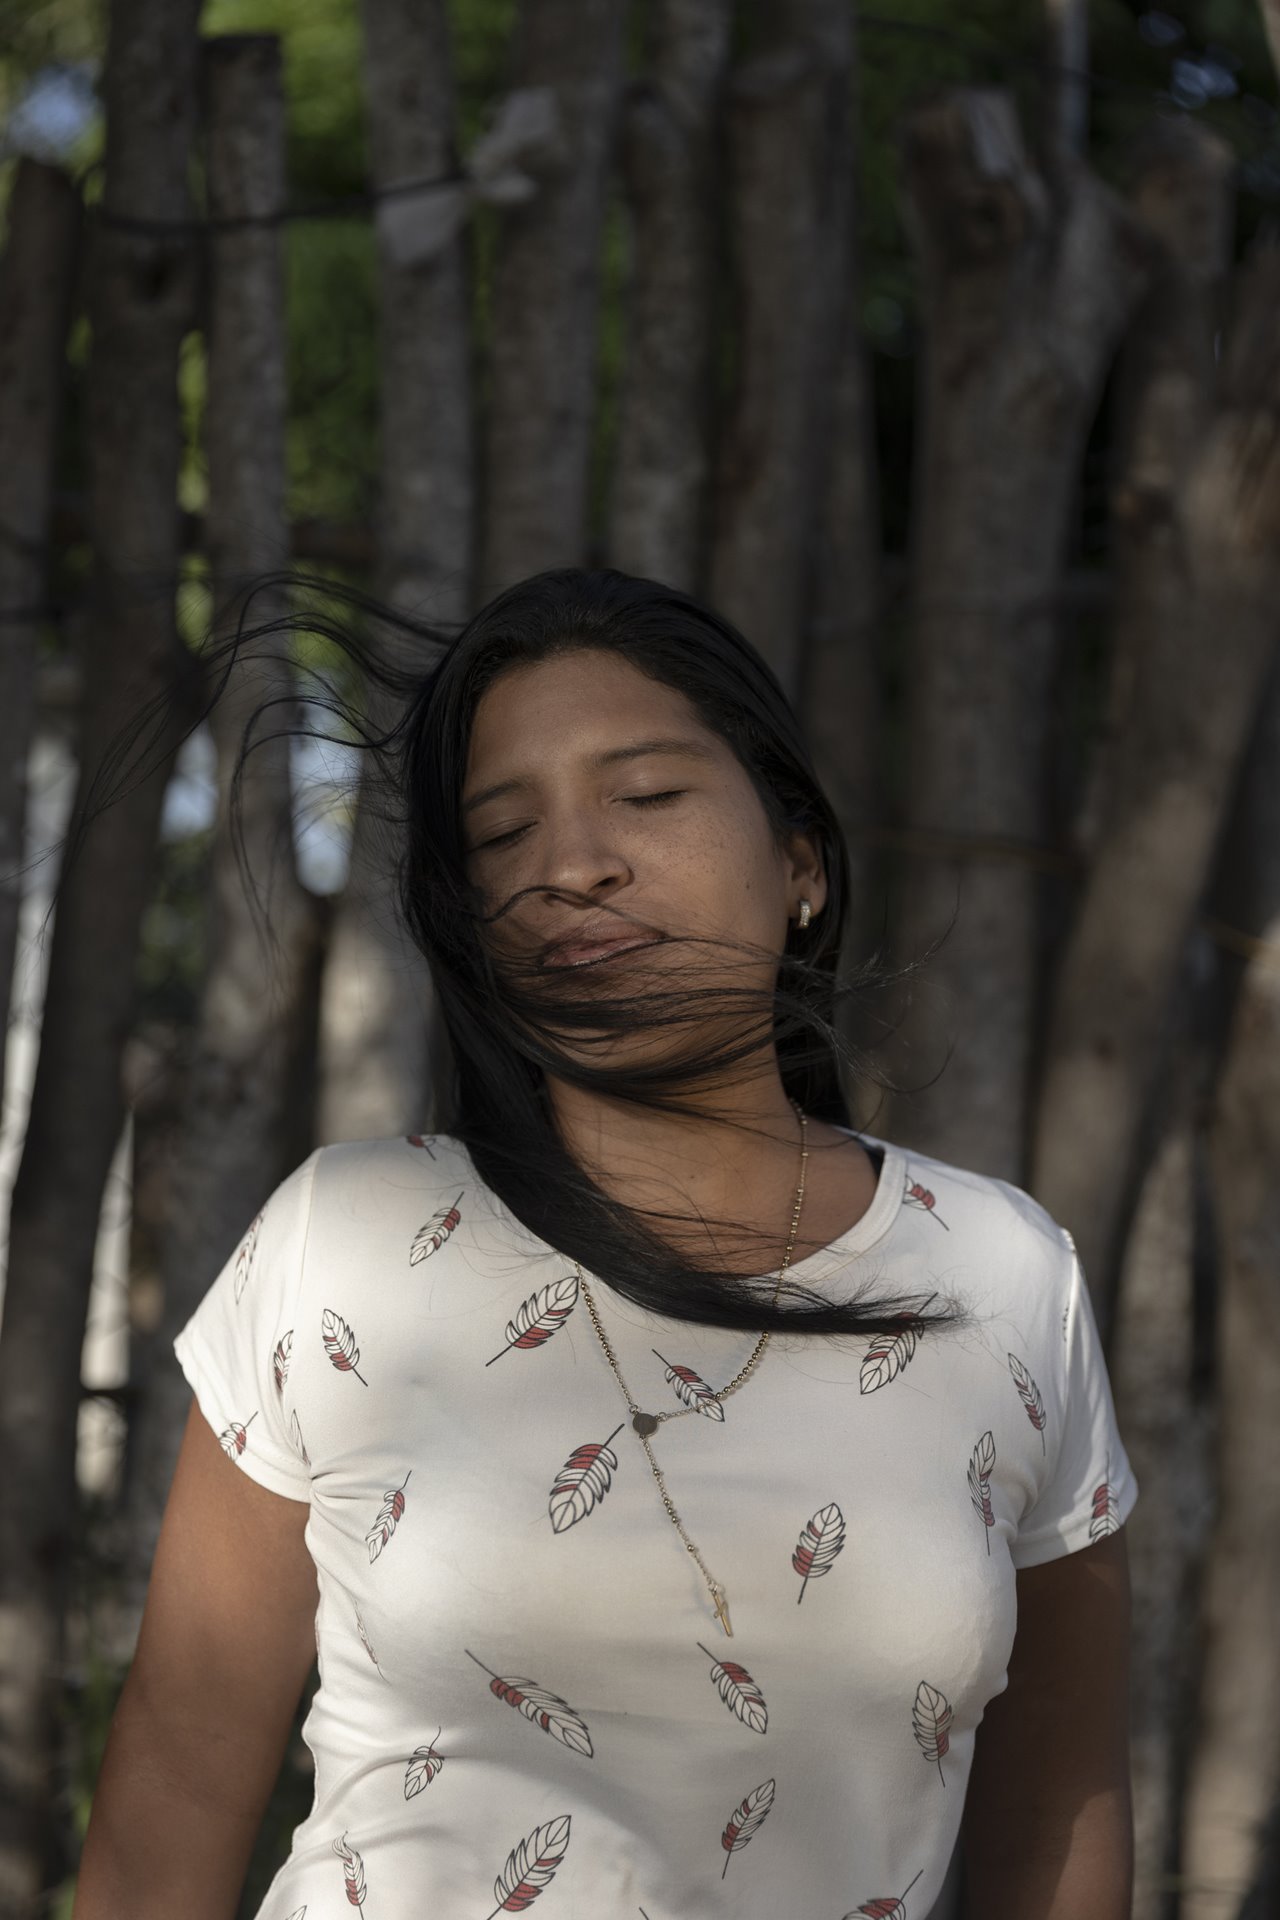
931	1723
295	1434
1029	1394
423	1766
542	1314
429	1239
280	1357
982	1464
365	1641
916	1195
692	1389
885	1358
739	1692
246	1255
821	1539
746	1821
546	1709
340	1344
582	1483
530	1866
352	1870
234	1437
389	1516
887	1908
1106	1510
424	1140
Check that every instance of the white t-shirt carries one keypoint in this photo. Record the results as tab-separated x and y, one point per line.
525	1695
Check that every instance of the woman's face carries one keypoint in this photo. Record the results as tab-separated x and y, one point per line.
601	799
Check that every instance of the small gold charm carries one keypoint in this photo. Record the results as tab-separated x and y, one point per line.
722	1610
645	1423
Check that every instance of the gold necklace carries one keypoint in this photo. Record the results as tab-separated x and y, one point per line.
647	1423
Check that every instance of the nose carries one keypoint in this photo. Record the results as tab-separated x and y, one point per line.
580	856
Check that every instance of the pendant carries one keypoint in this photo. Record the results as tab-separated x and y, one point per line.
722	1610
645	1423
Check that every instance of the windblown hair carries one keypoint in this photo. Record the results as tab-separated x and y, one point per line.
509	1024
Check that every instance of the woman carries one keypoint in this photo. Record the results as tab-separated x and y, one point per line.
655	1465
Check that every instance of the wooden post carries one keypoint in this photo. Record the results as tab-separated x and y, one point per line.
140	308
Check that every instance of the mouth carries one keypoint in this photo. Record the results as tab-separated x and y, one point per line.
591	953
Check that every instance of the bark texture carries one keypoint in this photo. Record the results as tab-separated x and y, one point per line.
545	300
1201	579
1025	294
790	146
35	304
140	303
377	1007
670	153
237	1136
1231	1855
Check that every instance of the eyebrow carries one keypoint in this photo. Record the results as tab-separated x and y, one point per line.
611	756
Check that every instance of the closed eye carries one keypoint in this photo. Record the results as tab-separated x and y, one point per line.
631	799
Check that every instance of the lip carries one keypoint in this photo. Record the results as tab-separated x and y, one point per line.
579	952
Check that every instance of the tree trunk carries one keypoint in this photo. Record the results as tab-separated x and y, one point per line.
545	301
1067	82
1203	587
791	155
1025	294
1231	1836
377	1008
140	304
35	307
235	1137
670	156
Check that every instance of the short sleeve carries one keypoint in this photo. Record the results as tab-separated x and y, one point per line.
1090	1491
236	1347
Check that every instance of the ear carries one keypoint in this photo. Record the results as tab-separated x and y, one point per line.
806	877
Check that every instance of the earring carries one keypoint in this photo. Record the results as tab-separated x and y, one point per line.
806	913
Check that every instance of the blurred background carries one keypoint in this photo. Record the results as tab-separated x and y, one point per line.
940	349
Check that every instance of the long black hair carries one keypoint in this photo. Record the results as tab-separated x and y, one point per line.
507	1025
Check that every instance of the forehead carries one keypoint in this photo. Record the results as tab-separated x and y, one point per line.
574	703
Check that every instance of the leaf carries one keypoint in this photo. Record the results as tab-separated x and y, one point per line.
821	1539
353	1871
931	1723
340	1344
424	1764
1029	1393
746	1820
886	1356
693	1389
430	1238
245	1257
384	1526
531	1865
542	1314
582	1483
739	1692
981	1467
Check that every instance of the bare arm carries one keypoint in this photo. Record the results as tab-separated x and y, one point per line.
225	1647
1048	1831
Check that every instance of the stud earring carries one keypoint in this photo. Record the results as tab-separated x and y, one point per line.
806	913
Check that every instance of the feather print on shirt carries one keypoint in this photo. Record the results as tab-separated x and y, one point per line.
546	1709
295	1434
389	1516
530	1866
692	1389
423	1766
914	1195
340	1344
365	1641
299	1913
889	1353
245	1257
885	1909
582	1482
542	1314
1029	1394
745	1821
233	1438
353	1871
738	1691
423	1140
982	1465
1106	1511
931	1724
280	1358
429	1239
820	1541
